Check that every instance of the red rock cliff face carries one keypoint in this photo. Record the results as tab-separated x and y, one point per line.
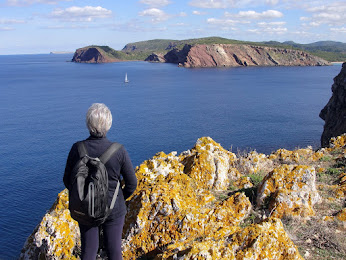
334	113
231	55
92	55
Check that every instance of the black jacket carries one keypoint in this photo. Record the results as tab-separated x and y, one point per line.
119	164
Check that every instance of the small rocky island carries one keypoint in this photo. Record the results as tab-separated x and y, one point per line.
210	203
204	52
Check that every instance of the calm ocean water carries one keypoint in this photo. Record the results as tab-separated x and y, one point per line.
44	99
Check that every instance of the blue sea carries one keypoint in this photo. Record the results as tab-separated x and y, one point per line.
44	99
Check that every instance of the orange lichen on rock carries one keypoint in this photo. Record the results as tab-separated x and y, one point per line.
266	240
340	191
341	215
56	237
338	142
296	156
208	163
173	214
170	206
289	191
243	183
254	162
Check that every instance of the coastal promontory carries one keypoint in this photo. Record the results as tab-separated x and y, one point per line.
204	52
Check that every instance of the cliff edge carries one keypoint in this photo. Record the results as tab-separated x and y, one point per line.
234	55
334	113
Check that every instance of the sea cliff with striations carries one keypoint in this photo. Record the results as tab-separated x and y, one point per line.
233	55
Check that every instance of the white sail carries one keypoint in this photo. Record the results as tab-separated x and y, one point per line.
126	80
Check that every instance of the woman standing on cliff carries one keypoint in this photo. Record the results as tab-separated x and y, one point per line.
99	121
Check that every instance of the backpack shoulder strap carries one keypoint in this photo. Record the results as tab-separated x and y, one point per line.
109	152
82	151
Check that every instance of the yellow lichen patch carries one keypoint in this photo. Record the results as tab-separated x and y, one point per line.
291	203
320	170
254	162
341	215
338	142
57	236
234	174
297	156
206	249
243	183
328	218
266	240
170	206
340	190
289	191
317	156
231	211
208	163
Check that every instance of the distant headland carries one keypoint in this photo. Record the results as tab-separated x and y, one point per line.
218	52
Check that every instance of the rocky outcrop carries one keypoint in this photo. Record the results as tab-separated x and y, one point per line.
289	191
56	237
334	113
232	55
205	204
92	55
156	57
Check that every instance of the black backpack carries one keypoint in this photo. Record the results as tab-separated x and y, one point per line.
88	193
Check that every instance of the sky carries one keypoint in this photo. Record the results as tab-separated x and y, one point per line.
43	26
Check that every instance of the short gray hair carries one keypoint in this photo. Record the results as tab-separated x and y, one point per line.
98	119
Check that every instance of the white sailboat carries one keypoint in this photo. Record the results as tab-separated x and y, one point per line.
126	80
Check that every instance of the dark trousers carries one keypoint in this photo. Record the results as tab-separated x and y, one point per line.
112	232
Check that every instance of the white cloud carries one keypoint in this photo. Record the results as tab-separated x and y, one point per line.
11	21
269	30
157	15
224	22
84	14
198	13
222	4
64	27
6	29
339	30
269	14
331	14
271	23
31	2
155	3
212	3
314	24
272	2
